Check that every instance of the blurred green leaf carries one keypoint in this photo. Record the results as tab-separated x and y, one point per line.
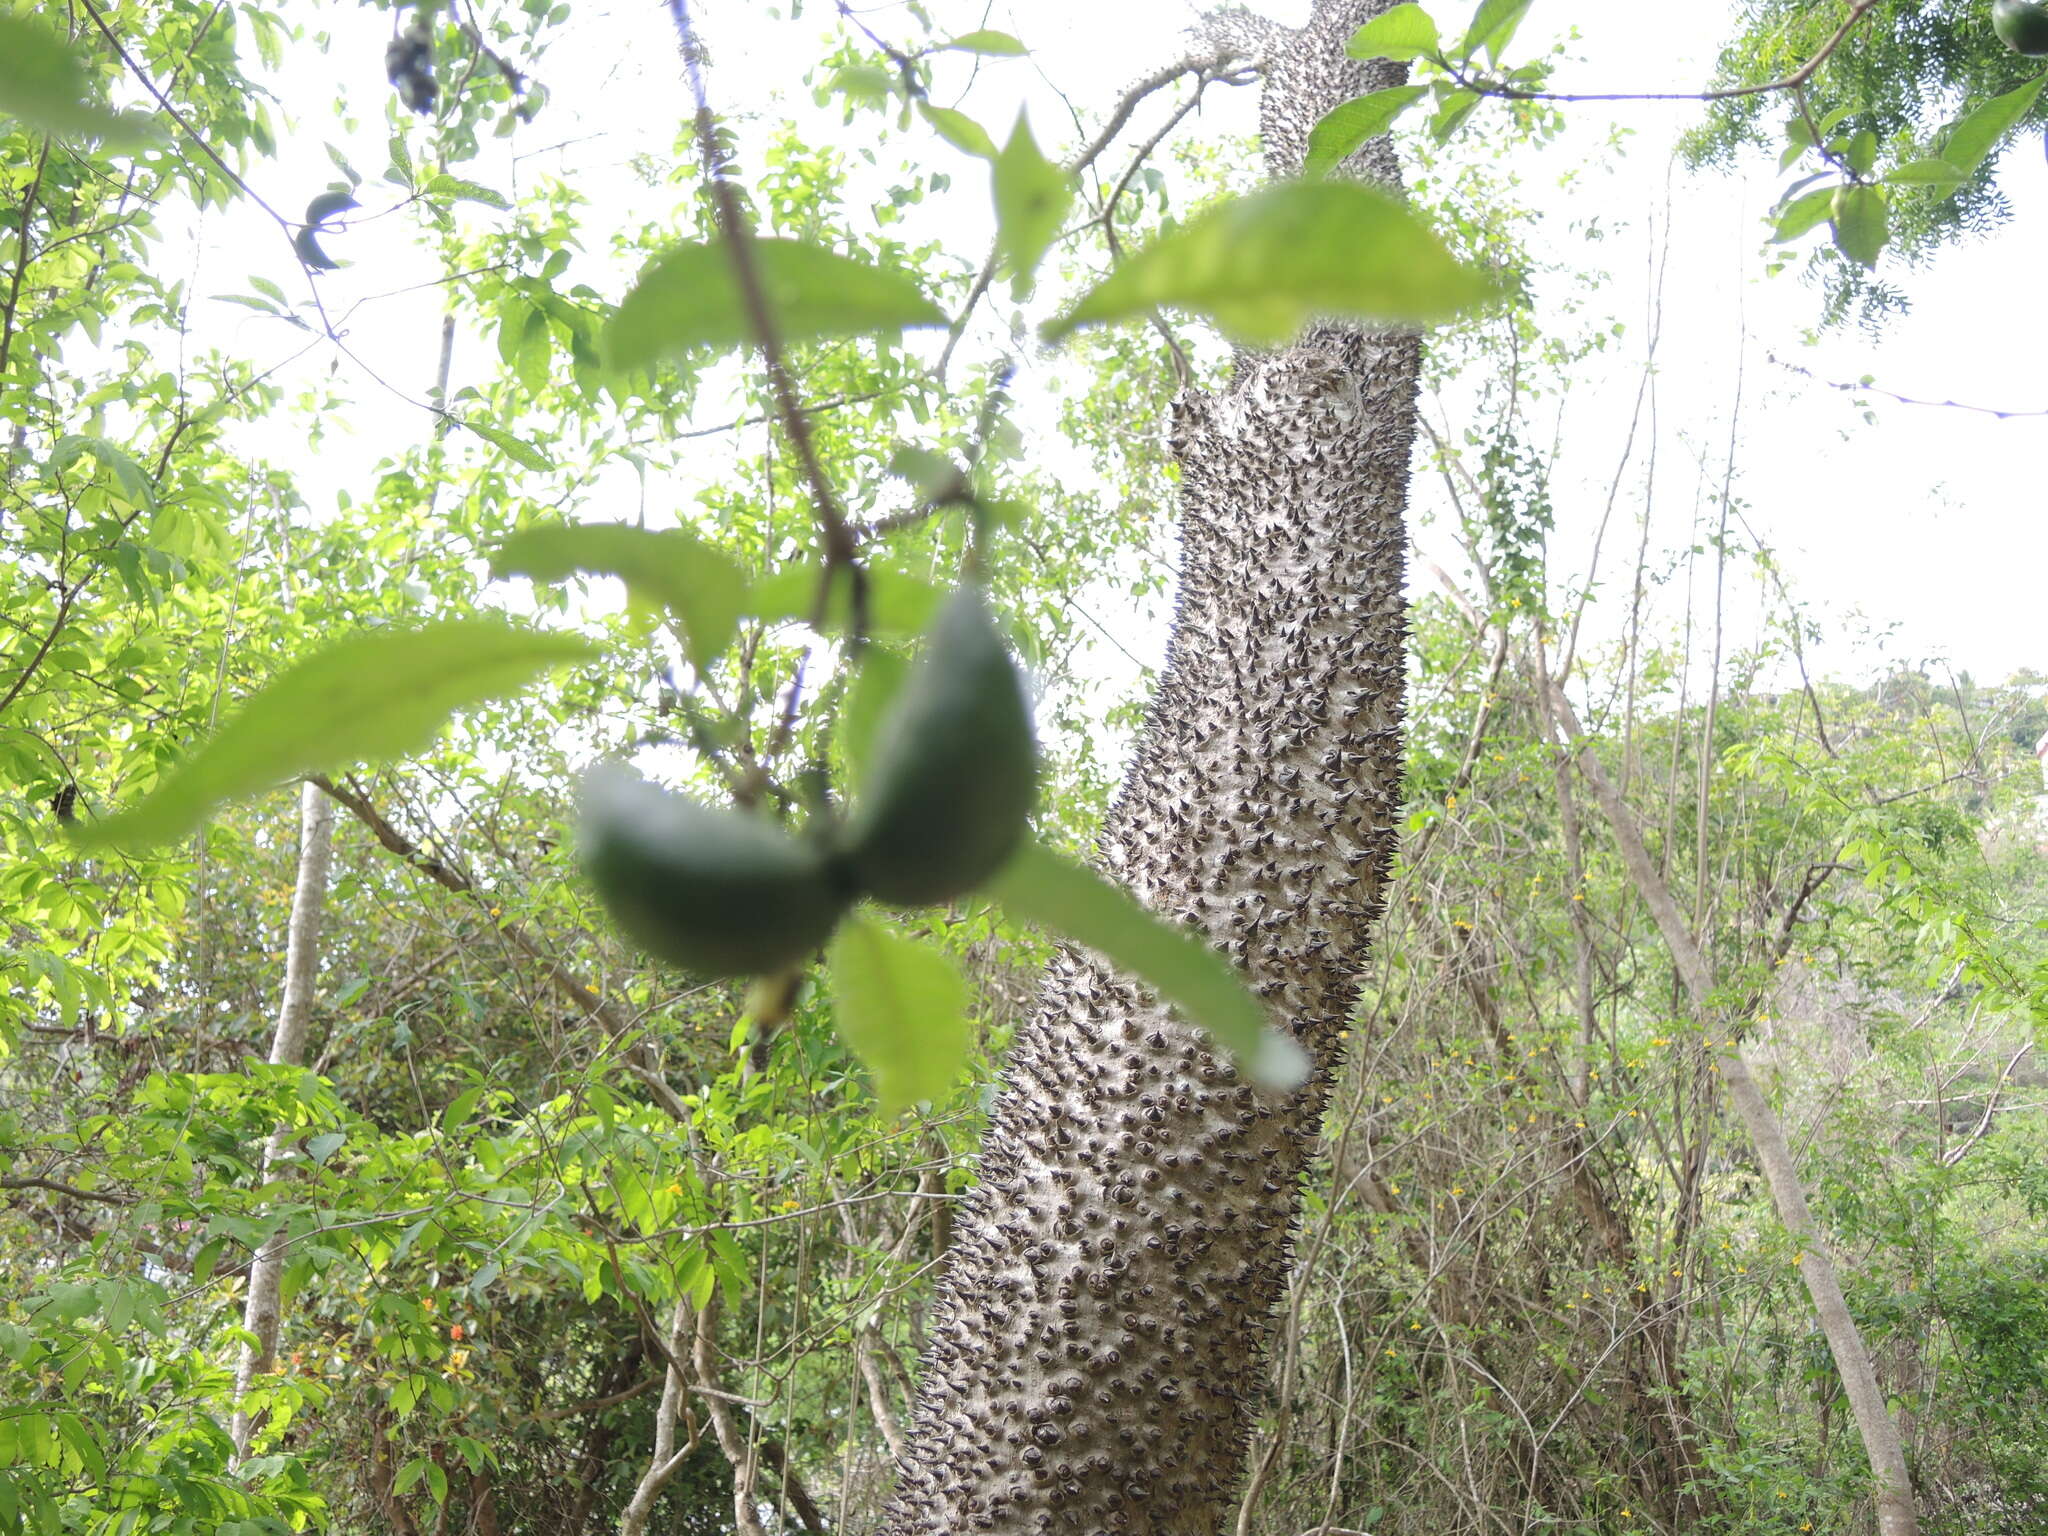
690	297
902	1008
1032	198
43	84
959	130
372	696
1042	888
995	44
669	568
1262	266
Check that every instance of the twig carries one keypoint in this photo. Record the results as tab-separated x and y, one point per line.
841	550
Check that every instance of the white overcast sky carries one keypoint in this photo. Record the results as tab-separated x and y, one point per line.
1927	526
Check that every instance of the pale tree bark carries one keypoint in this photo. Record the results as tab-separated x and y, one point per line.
1099	1341
262	1313
1896	1509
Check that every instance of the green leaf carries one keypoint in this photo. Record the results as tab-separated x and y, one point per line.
1803	214
1032	197
878	681
43	84
1044	889
1969	143
900	605
1346	129
1862	223
518	450
1925	173
690	298
1401	32
998	45
1450	117
1494	26
453	189
1261	266
376	695
1862	152
325	1145
134	482
672	569
959	130
902	1008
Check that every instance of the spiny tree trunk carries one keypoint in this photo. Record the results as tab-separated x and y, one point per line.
1100	1337
263	1312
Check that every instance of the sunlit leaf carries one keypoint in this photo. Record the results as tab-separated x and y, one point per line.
670	568
902	1008
1262	266
1032	198
370	697
1862	219
959	130
690	298
1044	889
453	189
995	44
1347	128
1925	173
1969	143
517	449
1401	32
1803	214
1494	26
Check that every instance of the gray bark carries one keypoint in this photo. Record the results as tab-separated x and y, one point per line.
1099	1342
1897	1513
262	1312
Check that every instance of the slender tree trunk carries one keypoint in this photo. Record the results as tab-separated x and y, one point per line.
1099	1343
1896	1510
263	1311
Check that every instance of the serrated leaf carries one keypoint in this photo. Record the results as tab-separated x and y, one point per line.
1969	143
1262	266
1400	32
1862	222
902	1008
959	130
1494	26
1346	129
987	41
373	696
43	84
518	450
1047	891
669	568
1032	198
690	298
453	189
